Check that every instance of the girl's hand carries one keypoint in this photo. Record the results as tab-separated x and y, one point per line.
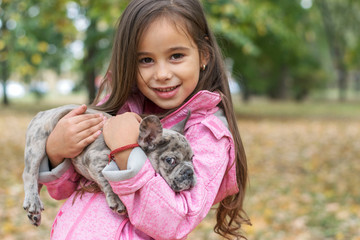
120	131
72	134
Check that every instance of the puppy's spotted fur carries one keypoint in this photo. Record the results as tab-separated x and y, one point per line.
168	151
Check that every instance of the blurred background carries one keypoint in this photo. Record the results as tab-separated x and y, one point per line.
294	70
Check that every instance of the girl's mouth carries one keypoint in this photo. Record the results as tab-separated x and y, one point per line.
165	89
166	93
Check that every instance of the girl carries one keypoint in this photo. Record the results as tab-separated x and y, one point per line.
165	61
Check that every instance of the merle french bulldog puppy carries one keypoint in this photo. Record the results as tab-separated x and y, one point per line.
168	151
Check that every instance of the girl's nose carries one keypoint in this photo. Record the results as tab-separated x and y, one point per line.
163	72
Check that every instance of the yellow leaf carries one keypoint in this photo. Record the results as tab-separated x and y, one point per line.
340	236
8	227
36	58
247	49
43	46
23	41
2	44
26	69
4	56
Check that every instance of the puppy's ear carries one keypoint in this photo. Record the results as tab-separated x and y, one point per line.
180	126
150	133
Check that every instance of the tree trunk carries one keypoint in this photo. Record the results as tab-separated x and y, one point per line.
342	82
357	81
4	77
91	75
4	65
284	83
335	46
89	60
244	90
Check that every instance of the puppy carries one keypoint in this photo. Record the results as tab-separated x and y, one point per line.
168	151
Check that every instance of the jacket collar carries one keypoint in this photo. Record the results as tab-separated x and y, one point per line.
202	103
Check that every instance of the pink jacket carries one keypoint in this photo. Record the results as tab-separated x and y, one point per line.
154	210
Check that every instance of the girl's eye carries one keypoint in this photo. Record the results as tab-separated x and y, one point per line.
177	56
170	160
146	60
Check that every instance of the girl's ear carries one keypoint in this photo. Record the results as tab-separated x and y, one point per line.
204	58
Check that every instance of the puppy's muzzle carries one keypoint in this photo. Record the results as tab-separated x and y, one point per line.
185	180
186	174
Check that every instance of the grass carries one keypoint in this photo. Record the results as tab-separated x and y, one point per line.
261	108
256	108
303	171
31	105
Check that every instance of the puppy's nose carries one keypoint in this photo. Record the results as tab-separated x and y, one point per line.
188	173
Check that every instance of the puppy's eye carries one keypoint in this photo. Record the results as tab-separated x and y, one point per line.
170	160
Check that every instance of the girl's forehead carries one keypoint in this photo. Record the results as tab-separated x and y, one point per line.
166	27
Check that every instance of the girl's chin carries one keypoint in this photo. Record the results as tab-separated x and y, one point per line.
167	104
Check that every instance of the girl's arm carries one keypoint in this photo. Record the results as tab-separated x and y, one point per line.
120	131
154	208
68	139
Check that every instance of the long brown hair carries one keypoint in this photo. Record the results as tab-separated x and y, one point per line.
123	68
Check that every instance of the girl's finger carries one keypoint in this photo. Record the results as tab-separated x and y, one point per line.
77	111
84	117
89	139
137	117
87	132
89	123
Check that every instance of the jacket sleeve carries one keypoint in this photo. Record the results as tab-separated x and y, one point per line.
154	208
61	181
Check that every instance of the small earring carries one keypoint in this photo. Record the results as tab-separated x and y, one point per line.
203	67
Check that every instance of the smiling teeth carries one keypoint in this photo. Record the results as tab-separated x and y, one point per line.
165	89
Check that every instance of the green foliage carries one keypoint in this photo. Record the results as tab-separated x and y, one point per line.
43	32
97	38
341	21
38	35
279	48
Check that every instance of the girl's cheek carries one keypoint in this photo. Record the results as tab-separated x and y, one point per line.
144	74
140	79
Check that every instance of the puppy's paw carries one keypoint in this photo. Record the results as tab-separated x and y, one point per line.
35	218
33	205
115	203
119	208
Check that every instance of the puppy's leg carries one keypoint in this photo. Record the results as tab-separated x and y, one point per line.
97	160
112	199
34	153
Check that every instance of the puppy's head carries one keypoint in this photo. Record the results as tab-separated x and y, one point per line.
169	153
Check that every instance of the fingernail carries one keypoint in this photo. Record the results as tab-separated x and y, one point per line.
106	121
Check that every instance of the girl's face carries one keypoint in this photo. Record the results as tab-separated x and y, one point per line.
169	64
